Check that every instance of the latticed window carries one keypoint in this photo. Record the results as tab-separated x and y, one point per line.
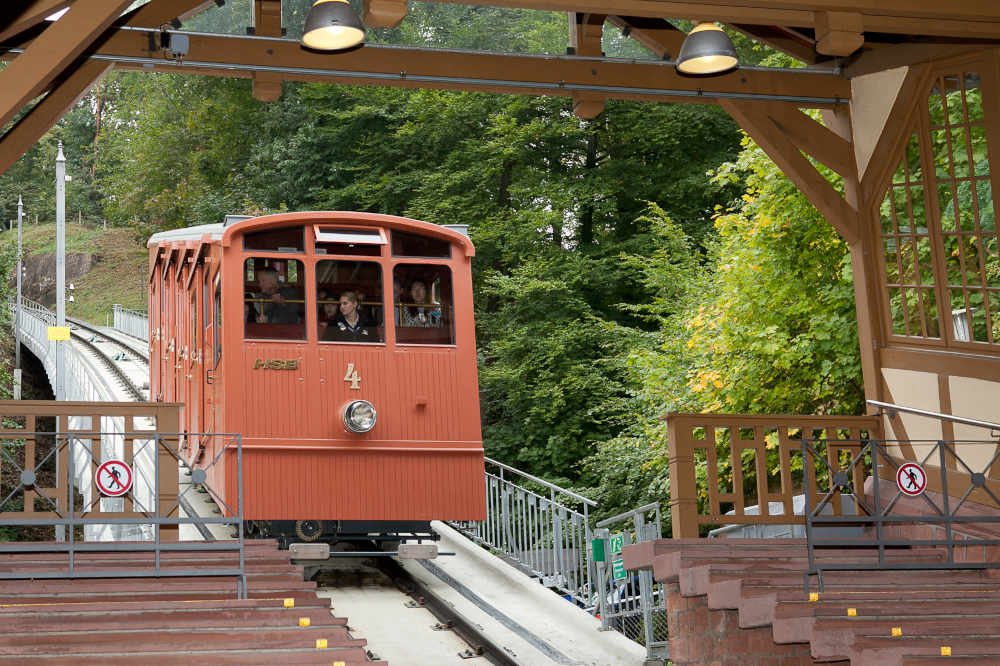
939	233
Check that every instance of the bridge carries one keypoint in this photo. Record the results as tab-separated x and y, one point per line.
498	603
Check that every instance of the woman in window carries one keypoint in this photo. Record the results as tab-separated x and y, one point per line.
421	311
350	325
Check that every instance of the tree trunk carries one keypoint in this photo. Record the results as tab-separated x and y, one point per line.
586	235
97	128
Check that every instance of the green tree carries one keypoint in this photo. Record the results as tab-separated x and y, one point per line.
766	325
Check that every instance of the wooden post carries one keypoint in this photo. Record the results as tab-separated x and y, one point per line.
683	487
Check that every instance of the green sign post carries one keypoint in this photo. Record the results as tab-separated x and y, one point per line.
617	543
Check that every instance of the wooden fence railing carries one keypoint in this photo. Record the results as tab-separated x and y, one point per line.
728	462
37	438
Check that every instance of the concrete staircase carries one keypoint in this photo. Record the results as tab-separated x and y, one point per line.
741	601
170	621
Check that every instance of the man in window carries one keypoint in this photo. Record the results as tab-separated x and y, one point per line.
276	304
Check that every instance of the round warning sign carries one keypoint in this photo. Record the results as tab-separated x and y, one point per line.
114	478
911	479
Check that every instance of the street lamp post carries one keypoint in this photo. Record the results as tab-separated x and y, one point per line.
17	308
60	387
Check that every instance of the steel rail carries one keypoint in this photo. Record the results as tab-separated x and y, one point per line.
447	615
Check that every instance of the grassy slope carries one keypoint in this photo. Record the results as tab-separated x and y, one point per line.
119	276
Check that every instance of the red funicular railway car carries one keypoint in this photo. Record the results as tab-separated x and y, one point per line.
342	347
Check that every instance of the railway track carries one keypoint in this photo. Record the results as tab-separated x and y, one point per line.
95	340
379	596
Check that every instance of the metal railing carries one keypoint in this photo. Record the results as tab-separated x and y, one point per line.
937	503
543	531
632	603
75	503
131	322
83	381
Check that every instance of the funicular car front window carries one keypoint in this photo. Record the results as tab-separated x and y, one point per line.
274	304
349	301
423	304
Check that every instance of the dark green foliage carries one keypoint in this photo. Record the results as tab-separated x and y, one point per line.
609	289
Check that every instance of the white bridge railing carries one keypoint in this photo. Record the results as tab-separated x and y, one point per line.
85	382
131	322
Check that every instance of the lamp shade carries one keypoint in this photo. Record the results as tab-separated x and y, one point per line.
707	50
332	26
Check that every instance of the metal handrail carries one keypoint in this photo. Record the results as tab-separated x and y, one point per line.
937	415
550	486
628	514
543	536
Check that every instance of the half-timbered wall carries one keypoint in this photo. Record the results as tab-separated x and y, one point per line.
925	138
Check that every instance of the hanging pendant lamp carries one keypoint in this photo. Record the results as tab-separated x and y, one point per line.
707	51
332	26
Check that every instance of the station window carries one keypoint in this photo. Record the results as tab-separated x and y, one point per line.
939	231
414	245
276	240
274	299
423	307
349	301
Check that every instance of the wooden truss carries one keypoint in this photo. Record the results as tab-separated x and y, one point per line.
53	64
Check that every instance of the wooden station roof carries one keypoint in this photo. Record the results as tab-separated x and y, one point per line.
51	64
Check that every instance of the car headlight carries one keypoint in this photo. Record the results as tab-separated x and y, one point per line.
359	416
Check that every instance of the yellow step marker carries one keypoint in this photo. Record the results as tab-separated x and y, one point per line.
945	651
304	622
340	663
320	643
289	603
897	631
852	612
814	596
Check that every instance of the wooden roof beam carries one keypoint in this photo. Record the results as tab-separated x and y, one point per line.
780	38
742	10
484	72
839	33
656	34
782	139
15	20
585	34
383	13
267	86
50	53
956	18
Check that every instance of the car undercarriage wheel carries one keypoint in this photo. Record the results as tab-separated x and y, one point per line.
309	530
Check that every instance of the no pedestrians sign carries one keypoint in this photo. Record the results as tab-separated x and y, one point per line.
113	478
911	479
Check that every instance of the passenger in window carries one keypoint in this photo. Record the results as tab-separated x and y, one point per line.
350	325
328	310
420	312
249	308
275	304
397	298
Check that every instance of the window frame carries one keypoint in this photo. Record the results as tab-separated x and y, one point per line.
919	124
